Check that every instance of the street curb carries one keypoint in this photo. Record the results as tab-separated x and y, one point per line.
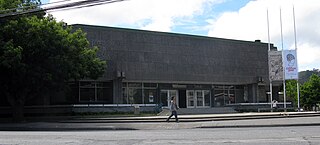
266	125
64	129
59	127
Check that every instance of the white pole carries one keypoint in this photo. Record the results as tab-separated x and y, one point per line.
296	48
269	48
281	30
284	80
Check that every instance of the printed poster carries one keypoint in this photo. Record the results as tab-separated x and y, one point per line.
290	64
275	66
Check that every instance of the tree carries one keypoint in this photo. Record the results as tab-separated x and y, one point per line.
291	91
310	91
305	75
16	6
39	56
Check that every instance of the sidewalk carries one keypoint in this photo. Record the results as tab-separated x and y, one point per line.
158	122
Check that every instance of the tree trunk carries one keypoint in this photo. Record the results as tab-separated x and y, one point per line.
18	112
17	105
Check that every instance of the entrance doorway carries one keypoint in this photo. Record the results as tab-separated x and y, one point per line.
165	97
198	98
182	99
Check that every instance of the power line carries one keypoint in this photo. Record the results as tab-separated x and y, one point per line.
83	4
55	2
67	6
31	6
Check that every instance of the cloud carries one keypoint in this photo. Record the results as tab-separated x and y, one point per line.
157	15
308	56
250	23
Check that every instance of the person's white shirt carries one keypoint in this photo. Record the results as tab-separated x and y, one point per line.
274	104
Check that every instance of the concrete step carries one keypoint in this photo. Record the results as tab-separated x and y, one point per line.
193	118
191	111
215	110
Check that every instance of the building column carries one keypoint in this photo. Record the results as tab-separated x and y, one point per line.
252	90
117	91
254	93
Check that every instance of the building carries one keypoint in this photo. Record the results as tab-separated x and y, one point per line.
145	67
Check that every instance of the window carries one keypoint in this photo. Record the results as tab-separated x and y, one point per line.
135	96
95	92
207	98
224	95
139	93
150	96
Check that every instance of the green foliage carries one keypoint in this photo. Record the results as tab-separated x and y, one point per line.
291	91
310	91
11	56
38	55
41	54
305	75
7	6
13	7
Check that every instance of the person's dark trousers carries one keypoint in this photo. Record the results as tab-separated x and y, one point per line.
175	115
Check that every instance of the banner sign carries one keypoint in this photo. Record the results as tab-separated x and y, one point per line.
290	64
275	66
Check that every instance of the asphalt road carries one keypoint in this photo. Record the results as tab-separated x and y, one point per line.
301	135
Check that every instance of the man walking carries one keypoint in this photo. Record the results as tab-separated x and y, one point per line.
173	108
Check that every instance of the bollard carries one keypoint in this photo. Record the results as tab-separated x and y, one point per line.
136	109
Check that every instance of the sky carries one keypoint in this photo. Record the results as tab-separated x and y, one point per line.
230	19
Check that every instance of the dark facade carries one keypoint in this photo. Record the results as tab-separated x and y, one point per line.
145	67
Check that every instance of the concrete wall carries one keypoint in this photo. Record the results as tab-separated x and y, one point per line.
167	57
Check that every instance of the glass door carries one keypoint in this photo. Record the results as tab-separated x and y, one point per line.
190	99
200	98
166	96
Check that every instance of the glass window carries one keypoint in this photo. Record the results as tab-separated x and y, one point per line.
239	96
224	95
87	84
149	85
105	95
99	84
218	87
206	97
218	98
96	92
239	87
199	98
231	96
87	94
134	84
190	98
124	99
164	97
150	96
135	96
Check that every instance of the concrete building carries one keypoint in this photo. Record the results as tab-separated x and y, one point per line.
145	67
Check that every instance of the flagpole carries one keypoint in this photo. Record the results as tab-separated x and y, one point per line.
269	48
296	48
283	68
